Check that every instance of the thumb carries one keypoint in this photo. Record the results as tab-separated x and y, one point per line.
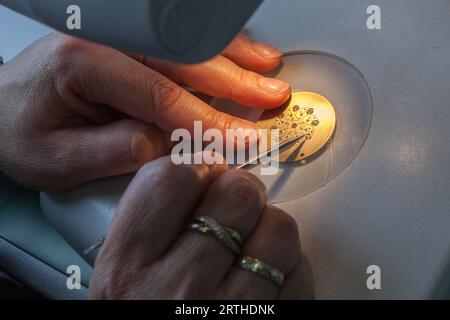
89	153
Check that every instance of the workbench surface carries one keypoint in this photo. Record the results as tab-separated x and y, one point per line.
391	206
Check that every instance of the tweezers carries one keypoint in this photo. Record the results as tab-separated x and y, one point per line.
285	145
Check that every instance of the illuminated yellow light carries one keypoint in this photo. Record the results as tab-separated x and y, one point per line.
307	114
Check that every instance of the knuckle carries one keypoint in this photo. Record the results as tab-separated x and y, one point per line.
221	121
190	174
66	45
63	50
237	79
239	75
163	171
244	38
64	57
244	189
166	95
240	81
282	224
160	169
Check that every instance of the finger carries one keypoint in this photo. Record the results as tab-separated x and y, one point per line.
275	242
221	78
299	284
154	209
149	218
92	152
143	93
253	55
235	200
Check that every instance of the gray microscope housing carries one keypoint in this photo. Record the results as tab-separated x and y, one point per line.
185	31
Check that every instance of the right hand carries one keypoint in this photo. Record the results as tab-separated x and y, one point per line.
150	254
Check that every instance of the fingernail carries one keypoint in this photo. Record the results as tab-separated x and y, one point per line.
273	85
266	51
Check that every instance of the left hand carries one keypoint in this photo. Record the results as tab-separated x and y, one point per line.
72	111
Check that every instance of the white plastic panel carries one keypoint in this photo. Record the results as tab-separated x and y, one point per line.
391	206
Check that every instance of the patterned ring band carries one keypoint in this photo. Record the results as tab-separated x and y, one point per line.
229	237
263	269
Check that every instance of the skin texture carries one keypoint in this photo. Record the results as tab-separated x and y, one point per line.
149	253
74	111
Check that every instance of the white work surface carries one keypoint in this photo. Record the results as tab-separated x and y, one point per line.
391	206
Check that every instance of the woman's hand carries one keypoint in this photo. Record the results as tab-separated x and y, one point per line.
151	253
73	111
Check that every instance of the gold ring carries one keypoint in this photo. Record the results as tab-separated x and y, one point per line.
263	269
204	228
229	237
